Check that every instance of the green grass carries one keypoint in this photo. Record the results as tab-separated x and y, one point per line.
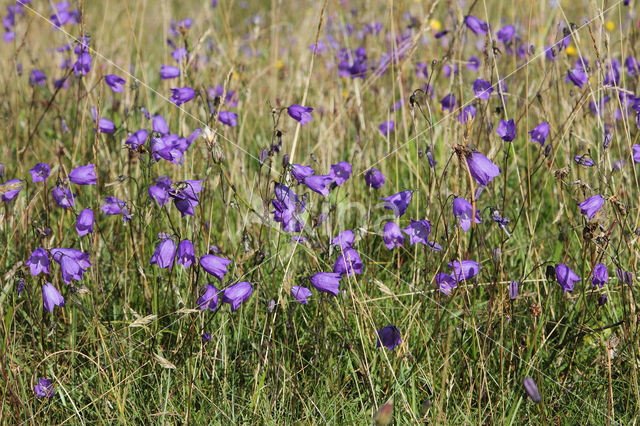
126	347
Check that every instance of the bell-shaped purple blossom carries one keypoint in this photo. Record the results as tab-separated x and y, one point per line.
51	297
159	125
37	77
319	184
105	125
374	178
181	95
600	276
214	265
164	254
513	290
386	128
566	277
482	89
398	202
137	138
348	263
583	160
229	118
591	206
464	270
636	154
63	196
82	66
507	130
38	262
168	72
236	294
481	168
186	198
448	103
473	64
40	172
301	294
44	388
327	282
389	337
578	76
344	240
340	172
73	263
209	299
115	82
288	208
301	172
463	210
392	235
532	390
418	231
300	113
113	206
540	133
467	113
179	54
506	33
84	175
10	190
186	254
445	283
160	191
84	222
476	25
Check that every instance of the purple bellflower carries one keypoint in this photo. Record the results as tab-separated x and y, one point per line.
418	231
327	282
236	294
566	277
389	337
301	294
398	202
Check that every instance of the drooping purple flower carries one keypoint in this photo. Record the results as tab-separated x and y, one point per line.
446	283
327	282
115	82
300	113
473	64
102	124
40	172
632	65
532	390
186	254
344	240
463	270
467	113
167	72
205	337
591	205
418	231
507	130
301	294
10	190
476	25
540	133
482	89
389	337
44	388
505	34
237	294
463	210
625	277
319	183
73	263
186	197
160	191
374	178
513	290
209	299
229	118
583	160
181	95
392	235
398	202
37	77
164	254
288	207
386	128
82	66
636	154
600	276
578	77
51	297
481	168
159	125
84	222
448	103
340	172
179	54
62	196
38	262
301	172
214	265
137	138
566	277
84	175
348	263
113	206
